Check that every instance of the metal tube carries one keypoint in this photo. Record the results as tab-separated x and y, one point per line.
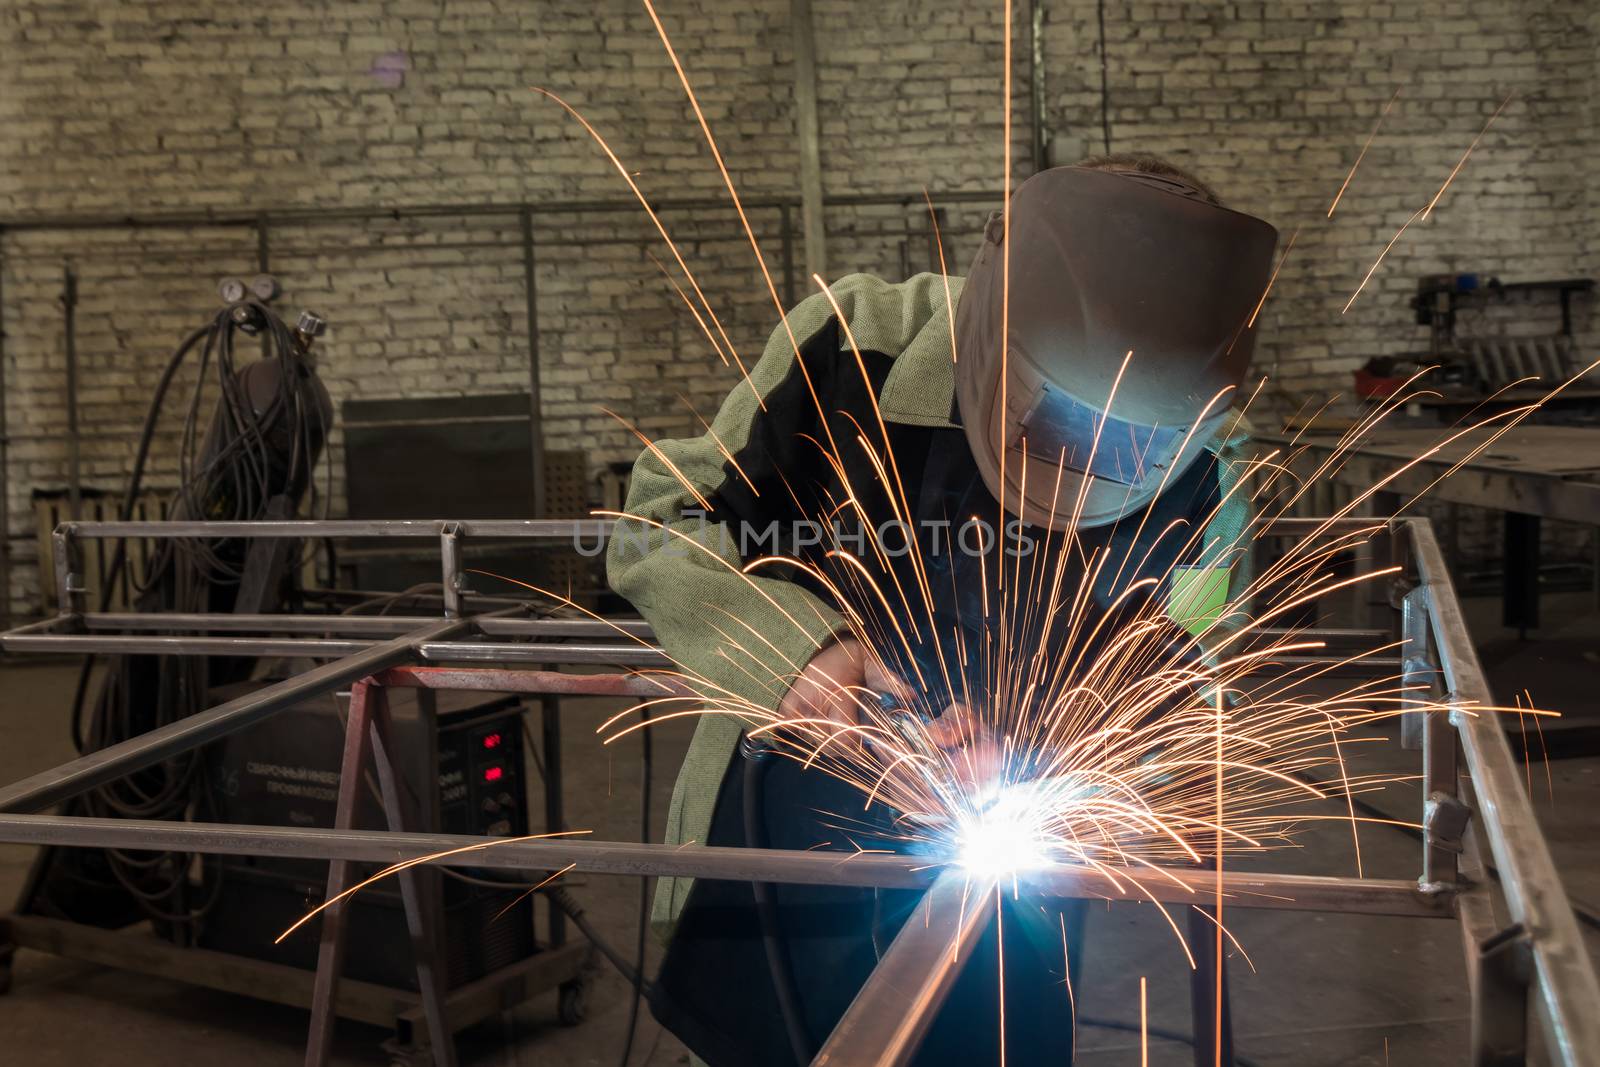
450	568
617	655
530	286
96	768
5	460
387	625
390	625
152	645
1568	992
1280	892
554	813
889	1017
490	680
534	529
69	323
489	652
614	655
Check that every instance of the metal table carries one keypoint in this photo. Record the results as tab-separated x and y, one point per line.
1531	472
1531	963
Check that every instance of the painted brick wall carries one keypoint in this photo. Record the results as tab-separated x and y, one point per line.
160	105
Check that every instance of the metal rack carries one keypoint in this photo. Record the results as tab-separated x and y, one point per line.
1531	961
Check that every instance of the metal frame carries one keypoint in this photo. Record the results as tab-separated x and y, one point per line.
1535	959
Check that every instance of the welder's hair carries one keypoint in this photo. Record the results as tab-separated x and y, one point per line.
1148	164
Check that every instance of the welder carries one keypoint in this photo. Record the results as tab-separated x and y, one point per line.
1115	255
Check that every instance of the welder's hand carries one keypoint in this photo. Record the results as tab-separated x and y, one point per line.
974	751
835	684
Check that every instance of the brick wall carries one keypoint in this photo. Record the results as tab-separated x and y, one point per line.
161	105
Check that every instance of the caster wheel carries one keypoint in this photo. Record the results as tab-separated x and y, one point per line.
572	1002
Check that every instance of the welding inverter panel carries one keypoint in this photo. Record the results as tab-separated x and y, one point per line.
285	772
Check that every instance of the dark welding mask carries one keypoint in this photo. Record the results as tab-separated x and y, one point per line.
1104	263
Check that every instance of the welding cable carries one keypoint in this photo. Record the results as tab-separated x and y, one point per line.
119	554
230	473
562	898
756	760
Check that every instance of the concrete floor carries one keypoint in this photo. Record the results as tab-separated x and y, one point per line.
1325	991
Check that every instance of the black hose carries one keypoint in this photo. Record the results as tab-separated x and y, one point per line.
777	949
232	473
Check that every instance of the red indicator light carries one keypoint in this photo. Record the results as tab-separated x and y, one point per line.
493	774
492	740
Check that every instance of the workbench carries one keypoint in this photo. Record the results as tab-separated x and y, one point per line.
1532	473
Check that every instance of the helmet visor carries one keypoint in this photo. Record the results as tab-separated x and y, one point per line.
1090	441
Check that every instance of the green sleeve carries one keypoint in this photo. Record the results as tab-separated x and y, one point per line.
682	570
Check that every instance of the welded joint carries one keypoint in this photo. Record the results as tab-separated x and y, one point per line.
1444	820
71	588
1499	976
452	582
1400	587
1440	893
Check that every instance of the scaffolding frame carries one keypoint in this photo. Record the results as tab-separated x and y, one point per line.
1531	961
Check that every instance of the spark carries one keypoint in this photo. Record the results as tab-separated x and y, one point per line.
1144	1025
1465	155
1363	153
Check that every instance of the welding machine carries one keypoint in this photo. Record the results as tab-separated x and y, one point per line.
459	757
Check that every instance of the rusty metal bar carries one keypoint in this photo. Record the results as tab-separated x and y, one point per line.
1566	990
1279	892
491	680
890	1016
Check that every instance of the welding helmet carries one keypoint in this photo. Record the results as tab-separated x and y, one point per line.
1104	263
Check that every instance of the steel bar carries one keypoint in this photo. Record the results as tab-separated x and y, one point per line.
479	528
1567	990
616	655
331	940
5	459
489	680
552	529
889	1017
420	892
554	794
450	581
530	295
398	624
69	344
386	625
1369	896
136	753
